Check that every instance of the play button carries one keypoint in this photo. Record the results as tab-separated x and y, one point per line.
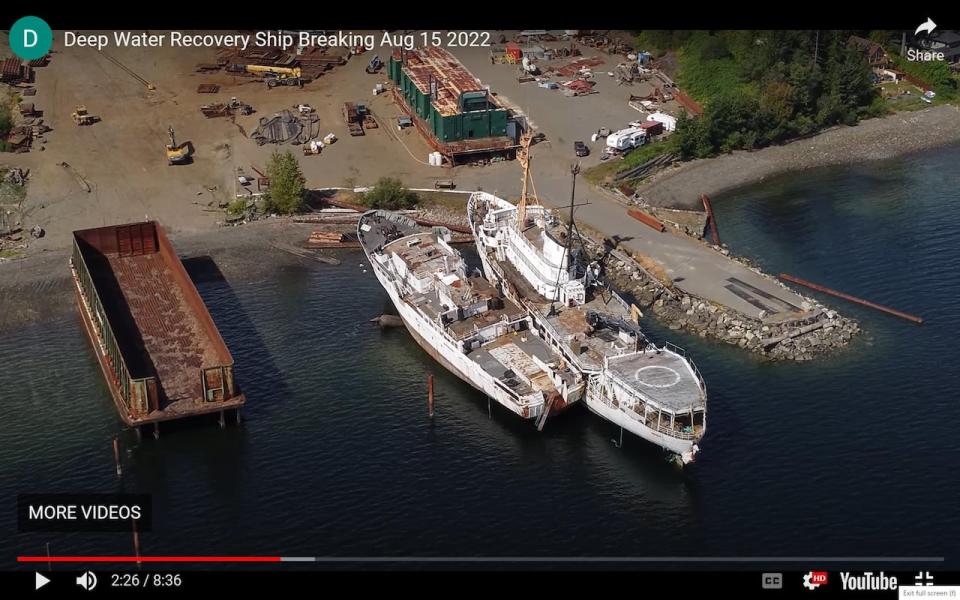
41	581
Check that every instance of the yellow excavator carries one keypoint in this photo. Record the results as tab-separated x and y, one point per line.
176	154
275	76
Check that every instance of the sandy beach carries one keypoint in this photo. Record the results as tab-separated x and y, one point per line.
38	287
873	139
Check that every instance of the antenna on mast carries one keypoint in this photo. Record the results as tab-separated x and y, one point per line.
574	171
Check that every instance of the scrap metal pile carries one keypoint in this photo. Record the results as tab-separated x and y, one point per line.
312	61
226	109
286	127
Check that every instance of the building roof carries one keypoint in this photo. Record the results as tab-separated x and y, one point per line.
949	38
437	65
865	45
10	66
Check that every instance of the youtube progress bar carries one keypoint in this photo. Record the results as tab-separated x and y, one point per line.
480	559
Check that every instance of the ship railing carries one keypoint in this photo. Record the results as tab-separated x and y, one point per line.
139	393
693	366
680	435
665	429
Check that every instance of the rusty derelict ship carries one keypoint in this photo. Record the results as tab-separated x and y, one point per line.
159	350
656	393
463	321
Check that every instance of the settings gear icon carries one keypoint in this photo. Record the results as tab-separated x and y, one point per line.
813	580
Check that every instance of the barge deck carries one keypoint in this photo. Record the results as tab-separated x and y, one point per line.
161	354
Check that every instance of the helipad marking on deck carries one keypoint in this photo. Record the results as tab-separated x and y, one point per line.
652	380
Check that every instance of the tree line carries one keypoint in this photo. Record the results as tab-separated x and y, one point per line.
764	87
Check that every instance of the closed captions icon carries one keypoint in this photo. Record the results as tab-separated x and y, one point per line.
772	581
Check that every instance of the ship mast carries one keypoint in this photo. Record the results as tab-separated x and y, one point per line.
523	155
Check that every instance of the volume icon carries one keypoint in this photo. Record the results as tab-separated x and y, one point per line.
87	580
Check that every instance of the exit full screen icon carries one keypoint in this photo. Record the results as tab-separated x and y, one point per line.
31	38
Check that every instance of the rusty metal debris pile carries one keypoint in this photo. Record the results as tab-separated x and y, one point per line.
226	109
287	127
312	61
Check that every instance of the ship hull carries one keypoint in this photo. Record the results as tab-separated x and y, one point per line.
440	349
686	449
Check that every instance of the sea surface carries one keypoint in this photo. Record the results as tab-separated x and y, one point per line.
855	455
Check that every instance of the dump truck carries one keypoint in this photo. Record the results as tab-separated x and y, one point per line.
353	118
159	350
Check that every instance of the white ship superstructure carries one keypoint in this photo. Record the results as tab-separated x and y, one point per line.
654	392
464	322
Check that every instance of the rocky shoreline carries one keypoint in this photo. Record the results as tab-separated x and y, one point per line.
883	138
821	333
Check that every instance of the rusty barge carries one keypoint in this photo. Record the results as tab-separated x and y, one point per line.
160	352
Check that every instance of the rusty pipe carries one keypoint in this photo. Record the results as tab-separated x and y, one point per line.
873	305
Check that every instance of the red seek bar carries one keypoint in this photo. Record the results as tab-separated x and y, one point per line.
155	559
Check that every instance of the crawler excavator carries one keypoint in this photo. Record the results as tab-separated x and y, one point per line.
176	154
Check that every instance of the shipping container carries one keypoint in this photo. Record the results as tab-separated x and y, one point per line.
160	351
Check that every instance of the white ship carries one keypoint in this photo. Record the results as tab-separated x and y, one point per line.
464	322
654	392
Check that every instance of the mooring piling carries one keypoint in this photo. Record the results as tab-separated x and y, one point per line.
430	394
116	455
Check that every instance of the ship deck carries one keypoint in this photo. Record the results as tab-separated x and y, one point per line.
509	359
662	376
382	230
572	321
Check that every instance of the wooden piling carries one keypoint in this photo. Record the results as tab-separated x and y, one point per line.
867	303
136	541
430	394
116	456
710	218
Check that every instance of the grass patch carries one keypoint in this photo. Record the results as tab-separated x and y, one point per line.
938	74
238	207
708	70
606	171
443	200
10	253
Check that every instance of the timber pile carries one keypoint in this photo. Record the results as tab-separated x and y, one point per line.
641	171
331	239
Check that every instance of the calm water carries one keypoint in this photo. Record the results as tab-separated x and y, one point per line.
851	456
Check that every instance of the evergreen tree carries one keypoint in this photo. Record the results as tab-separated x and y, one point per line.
285	194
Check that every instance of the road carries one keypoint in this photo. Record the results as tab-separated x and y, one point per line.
694	267
122	156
